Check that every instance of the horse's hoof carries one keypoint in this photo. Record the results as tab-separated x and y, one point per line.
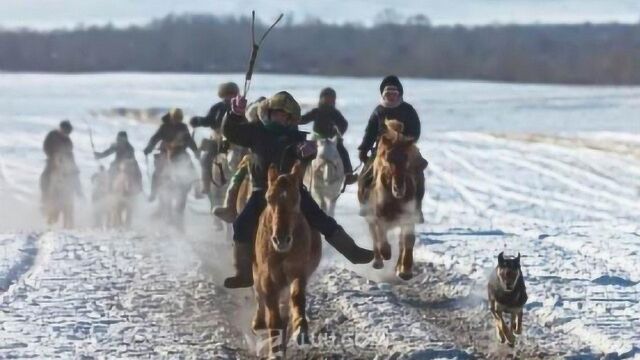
258	326
404	275
385	251
302	338
378	264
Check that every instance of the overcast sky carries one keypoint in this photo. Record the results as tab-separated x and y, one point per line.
47	14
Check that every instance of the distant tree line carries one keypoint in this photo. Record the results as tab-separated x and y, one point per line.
574	54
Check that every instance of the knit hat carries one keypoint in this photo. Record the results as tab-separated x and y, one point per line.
328	92
391	80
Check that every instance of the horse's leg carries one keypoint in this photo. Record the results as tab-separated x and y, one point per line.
298	316
375	236
259	319
404	267
385	247
332	207
274	322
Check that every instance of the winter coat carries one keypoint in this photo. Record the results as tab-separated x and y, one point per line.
268	146
57	142
326	119
404	113
172	133
214	117
123	151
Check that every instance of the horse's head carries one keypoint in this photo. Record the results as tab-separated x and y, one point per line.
283	202
397	158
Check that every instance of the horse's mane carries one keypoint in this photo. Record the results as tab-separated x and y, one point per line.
393	131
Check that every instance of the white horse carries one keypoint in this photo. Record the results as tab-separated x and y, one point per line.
327	175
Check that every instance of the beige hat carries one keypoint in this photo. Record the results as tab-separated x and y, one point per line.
176	114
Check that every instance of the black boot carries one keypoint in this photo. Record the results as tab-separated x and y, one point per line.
350	178
346	246
242	254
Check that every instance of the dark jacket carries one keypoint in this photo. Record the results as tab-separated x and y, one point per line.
268	147
325	119
214	117
123	151
404	113
56	142
168	133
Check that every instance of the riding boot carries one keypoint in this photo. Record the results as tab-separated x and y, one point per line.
350	178
242	254
229	212
346	246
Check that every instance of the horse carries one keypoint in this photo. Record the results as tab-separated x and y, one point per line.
392	196
327	175
177	176
287	252
58	197
224	165
124	188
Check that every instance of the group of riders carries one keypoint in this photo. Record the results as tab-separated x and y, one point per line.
268	128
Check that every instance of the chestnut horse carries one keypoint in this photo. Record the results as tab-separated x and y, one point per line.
124	188
392	197
58	197
287	252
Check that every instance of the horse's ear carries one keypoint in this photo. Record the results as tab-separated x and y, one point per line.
297	170
501	259
272	174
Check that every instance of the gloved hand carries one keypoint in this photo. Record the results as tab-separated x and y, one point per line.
147	151
224	146
363	156
238	105
307	150
197	154
95	155
193	121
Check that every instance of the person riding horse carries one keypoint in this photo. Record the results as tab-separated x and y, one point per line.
226	92
173	132
391	107
58	143
124	152
276	140
327	121
229	211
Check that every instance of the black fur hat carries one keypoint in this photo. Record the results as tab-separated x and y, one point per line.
65	125
391	80
328	92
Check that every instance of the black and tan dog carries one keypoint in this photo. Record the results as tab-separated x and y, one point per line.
507	294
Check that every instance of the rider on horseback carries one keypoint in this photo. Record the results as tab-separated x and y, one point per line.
327	121
226	92
124	152
229	212
392	106
276	140
172	132
57	143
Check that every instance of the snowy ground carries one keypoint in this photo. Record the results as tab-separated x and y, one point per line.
550	172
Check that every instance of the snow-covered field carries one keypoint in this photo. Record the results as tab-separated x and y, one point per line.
552	172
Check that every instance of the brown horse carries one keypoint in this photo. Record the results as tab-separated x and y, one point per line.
392	197
58	197
177	176
124	188
287	252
